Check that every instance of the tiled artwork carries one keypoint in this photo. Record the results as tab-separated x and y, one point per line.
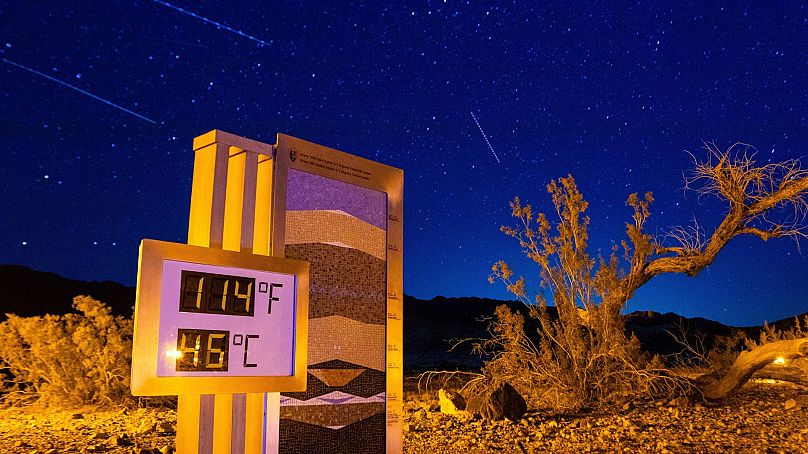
340	229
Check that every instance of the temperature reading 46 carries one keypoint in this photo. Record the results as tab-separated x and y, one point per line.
209	350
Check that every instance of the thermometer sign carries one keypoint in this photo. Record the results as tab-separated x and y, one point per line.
205	317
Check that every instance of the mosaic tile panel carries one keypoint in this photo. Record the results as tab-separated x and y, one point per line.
340	229
344	339
330	415
363	437
335	227
343	281
312	192
368	383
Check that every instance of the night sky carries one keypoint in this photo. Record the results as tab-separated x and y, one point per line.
101	101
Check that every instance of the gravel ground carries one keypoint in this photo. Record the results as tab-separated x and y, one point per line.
124	431
756	420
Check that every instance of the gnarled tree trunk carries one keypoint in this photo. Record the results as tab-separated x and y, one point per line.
790	374
751	361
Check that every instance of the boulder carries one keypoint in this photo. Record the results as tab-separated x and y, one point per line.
498	403
450	401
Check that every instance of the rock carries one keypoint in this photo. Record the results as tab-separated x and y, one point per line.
790	403
146	427
464	415
498	403
119	441
167	427
99	436
451	401
76	416
166	450
678	402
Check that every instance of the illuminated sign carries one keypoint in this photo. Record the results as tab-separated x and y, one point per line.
208	320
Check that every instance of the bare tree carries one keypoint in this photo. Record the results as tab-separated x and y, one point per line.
767	201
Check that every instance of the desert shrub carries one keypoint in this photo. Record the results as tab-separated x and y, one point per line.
702	353
713	359
771	334
583	357
68	360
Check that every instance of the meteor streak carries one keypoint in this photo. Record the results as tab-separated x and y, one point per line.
72	87
212	22
486	138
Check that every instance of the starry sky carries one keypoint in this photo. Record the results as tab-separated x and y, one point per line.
478	102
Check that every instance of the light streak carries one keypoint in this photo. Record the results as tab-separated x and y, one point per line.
485	137
212	22
84	92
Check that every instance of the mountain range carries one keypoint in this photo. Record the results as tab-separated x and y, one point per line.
431	327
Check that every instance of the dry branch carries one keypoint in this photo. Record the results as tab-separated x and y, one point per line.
750	361
790	374
752	192
568	357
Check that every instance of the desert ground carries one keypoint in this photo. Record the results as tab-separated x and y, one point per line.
765	417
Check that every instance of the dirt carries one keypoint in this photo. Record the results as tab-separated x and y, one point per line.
31	430
755	420
762	417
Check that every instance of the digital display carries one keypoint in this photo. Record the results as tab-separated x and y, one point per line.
199	349
221	321
217	294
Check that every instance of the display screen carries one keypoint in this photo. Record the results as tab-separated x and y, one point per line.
217	294
222	321
199	349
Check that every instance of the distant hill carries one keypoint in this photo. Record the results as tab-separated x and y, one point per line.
27	292
429	325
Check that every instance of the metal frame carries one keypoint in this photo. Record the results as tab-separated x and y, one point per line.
379	177
145	381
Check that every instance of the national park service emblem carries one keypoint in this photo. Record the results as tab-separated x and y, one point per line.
292	155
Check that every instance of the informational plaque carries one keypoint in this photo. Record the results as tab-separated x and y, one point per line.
209	320
343	214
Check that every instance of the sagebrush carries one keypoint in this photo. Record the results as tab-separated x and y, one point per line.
581	357
67	360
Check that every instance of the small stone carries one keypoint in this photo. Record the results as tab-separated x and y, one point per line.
76	416
498	403
626	406
167	427
464	415
146	427
119	441
99	436
166	450
450	401
790	403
